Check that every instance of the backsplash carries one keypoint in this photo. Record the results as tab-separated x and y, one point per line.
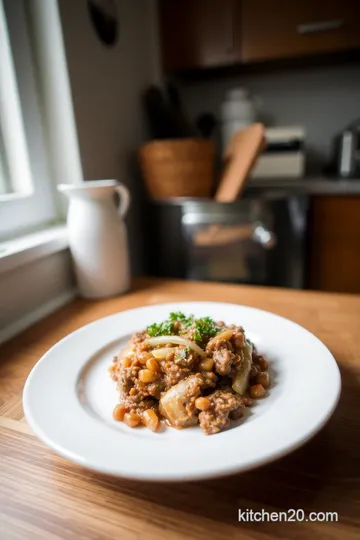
323	100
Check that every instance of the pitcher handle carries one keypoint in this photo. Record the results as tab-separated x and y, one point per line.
125	199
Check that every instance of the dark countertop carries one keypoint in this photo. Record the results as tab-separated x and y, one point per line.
311	186
280	188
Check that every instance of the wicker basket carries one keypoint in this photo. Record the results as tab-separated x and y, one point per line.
179	168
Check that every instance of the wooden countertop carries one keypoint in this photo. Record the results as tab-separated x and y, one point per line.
44	497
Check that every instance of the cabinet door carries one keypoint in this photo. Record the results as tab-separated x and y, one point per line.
199	33
274	29
335	244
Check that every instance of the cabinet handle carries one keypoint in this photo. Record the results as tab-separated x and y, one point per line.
321	26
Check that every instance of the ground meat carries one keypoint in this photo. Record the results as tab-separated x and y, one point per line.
236	361
140	406
183	357
209	379
225	384
139	337
220	325
173	373
155	389
189	333
128	382
247	401
223	359
238	337
216	418
255	370
177	380
217	343
128	378
236	414
194	386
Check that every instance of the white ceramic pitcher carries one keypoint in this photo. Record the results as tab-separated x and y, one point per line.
98	237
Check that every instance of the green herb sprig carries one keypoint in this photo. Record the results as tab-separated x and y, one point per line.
160	329
187	320
204	328
167	327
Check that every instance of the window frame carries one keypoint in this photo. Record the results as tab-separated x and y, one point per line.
34	202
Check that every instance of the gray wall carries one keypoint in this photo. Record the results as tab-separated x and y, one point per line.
324	100
106	84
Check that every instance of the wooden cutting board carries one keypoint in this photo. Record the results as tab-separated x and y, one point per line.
240	157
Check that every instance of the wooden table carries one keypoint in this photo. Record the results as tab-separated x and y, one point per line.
44	497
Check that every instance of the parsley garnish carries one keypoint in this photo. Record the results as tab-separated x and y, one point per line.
182	318
204	328
166	328
160	329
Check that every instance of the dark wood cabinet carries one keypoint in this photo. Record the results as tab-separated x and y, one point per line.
199	33
334	238
214	33
273	29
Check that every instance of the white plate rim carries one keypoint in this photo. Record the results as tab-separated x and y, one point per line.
222	470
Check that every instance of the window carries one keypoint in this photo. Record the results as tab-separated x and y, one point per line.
27	198
5	186
38	149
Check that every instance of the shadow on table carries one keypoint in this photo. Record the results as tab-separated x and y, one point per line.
323	475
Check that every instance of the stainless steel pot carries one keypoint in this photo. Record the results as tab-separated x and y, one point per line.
254	240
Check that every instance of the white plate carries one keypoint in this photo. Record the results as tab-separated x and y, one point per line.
69	398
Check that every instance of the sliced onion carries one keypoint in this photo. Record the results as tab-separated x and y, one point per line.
225	335
162	353
163	340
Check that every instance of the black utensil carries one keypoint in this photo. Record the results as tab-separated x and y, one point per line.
206	124
183	125
159	117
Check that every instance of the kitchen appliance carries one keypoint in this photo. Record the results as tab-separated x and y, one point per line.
349	152
238	110
284	155
262	240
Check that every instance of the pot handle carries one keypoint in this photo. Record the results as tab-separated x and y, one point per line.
125	199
